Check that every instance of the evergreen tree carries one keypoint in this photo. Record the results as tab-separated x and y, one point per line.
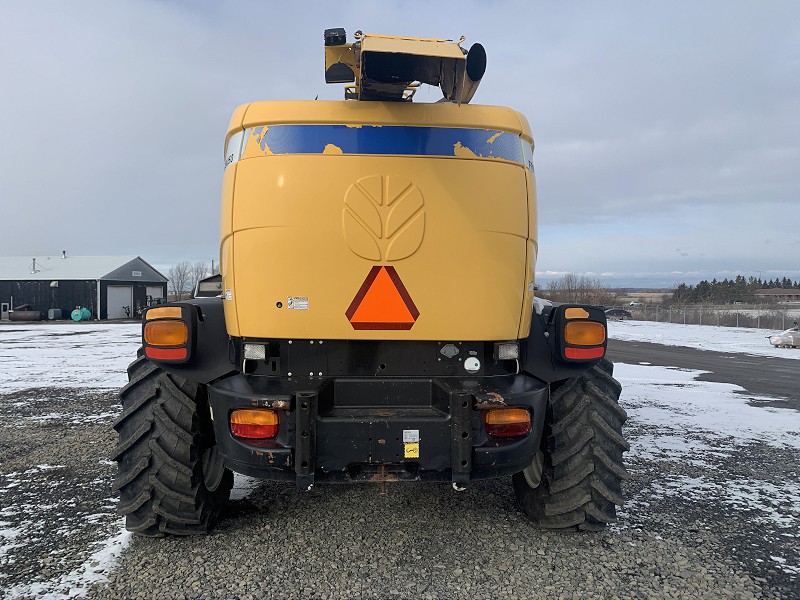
738	289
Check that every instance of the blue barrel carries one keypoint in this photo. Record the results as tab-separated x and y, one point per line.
76	314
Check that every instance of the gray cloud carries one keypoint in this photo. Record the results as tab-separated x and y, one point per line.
658	126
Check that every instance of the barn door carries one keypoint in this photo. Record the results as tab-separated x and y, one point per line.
120	296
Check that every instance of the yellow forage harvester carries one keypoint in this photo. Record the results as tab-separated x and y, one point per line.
378	319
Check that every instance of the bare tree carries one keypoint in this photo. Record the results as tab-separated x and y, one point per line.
580	289
199	270
179	276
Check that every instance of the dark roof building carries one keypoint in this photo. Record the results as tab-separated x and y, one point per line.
779	295
110	287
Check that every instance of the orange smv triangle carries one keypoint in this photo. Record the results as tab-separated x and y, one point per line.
382	302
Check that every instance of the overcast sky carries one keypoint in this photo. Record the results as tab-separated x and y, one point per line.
667	134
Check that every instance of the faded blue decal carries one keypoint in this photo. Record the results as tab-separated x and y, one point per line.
388	140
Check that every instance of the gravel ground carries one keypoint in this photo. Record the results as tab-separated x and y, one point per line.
686	532
55	477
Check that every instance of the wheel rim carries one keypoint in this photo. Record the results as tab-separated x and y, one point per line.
213	468
533	472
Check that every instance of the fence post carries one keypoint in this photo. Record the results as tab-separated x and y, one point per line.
758	321
701	316
737	318
670	314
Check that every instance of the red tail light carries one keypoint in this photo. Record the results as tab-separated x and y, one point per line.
254	424
508	422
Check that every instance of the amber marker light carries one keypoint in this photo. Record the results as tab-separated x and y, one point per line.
165	312
584	333
166	333
508	422
254	423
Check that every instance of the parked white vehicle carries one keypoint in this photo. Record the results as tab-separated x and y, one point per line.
788	339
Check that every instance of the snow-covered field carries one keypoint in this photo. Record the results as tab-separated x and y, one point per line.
735	340
676	417
72	355
701	424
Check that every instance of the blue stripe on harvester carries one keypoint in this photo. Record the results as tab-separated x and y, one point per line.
368	139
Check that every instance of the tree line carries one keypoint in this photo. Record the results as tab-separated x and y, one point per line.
183	277
739	289
580	289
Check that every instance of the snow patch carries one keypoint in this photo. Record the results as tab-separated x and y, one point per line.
76	584
70	355
736	340
759	502
683	415
243	486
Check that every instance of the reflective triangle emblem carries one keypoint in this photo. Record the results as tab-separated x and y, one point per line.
382	302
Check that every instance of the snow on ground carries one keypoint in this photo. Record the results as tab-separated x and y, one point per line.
733	340
73	355
679	417
65	355
701	424
76	583
676	402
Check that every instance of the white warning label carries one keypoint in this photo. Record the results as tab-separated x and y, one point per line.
297	303
410	436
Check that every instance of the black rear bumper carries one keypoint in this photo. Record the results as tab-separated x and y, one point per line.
363	429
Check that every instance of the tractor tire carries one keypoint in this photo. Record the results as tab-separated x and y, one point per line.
575	480
171	479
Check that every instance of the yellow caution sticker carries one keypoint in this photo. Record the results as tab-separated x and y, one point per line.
411	450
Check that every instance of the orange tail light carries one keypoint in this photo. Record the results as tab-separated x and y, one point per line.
168	332
508	422
166	335
254	423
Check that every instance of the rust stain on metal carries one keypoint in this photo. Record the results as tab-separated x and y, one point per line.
489	400
382	442
382	477
280	404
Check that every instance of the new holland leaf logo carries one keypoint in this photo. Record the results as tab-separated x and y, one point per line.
383	218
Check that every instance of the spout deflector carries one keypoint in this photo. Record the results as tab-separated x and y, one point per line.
391	68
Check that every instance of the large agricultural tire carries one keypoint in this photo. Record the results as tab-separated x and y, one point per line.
171	479
575	481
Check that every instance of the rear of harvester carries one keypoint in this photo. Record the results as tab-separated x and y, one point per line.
377	322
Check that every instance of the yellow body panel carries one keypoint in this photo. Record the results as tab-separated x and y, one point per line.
459	229
228	283
411	45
